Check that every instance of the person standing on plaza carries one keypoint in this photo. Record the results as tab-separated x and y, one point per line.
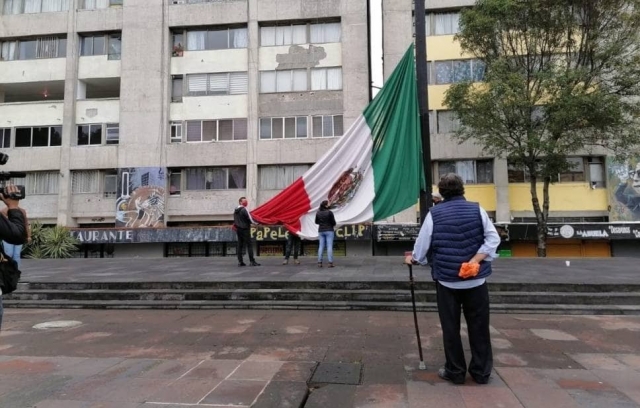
293	244
459	241
12	226
242	224
326	224
15	251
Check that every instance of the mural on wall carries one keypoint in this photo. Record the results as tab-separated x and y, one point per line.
624	189
140	201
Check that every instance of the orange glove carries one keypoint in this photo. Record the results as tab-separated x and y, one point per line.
469	270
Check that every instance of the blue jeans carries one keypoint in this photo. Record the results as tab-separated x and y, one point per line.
326	240
13	251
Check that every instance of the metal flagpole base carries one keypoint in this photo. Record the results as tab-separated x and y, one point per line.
422	366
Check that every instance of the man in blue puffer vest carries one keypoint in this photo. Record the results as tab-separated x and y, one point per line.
456	232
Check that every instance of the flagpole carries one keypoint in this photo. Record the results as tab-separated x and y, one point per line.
423	105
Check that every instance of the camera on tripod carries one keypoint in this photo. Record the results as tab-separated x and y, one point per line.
8	175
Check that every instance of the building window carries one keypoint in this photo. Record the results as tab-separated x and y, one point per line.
443	23
327	126
38	48
289	80
177	86
5	138
176	132
34	6
114	47
175	182
227	83
39	183
596	172
85	182
576	172
471	171
287	128
454	71
100	4
216	39
113	133
283	35
39	136
178	44
102	44
216	178
326	79
110	185
325	33
215	130
89	135
447	122
279	177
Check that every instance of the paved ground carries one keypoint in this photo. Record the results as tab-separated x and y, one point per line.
171	359
601	271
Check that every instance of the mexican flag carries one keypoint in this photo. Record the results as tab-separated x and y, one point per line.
372	172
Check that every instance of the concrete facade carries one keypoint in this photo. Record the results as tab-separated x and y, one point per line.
141	78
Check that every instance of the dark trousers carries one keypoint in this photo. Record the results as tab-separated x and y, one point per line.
474	303
293	243
244	239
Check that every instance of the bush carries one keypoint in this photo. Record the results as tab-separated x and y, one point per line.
54	243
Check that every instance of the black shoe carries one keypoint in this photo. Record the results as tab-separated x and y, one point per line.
254	263
480	380
442	373
242	264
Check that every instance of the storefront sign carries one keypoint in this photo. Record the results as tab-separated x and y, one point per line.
527	232
397	232
358	232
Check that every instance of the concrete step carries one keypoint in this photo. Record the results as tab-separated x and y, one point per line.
324	285
319	295
324	305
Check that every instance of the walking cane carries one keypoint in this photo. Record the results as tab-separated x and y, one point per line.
422	365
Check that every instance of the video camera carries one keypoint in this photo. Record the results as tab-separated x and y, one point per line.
8	175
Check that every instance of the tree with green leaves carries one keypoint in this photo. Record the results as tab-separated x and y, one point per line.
562	77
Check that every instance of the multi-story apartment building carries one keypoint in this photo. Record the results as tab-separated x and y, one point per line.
581	200
133	114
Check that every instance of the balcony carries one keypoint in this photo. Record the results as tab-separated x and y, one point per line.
210	61
19	114
206	153
279	57
98	66
90	111
210	107
93	206
214	204
183	13
35	70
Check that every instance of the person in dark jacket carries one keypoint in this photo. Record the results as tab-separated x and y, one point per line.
242	224
293	244
326	222
12	227
458	241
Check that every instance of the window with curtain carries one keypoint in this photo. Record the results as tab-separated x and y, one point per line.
326	79
216	38
449	72
283	81
283	35
176	132
114	47
113	133
216	178
177	87
5	138
596	172
279	177
327	126
8	51
471	171
85	182
325	33
28	49
40	183
110	185
284	128
447	122
211	130
34	6
225	83
521	174
443	23
99	4
575	173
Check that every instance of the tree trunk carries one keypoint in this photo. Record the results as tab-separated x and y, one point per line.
541	216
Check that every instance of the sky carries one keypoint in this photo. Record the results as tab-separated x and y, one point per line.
376	44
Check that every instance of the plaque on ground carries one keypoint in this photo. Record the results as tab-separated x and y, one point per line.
337	373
